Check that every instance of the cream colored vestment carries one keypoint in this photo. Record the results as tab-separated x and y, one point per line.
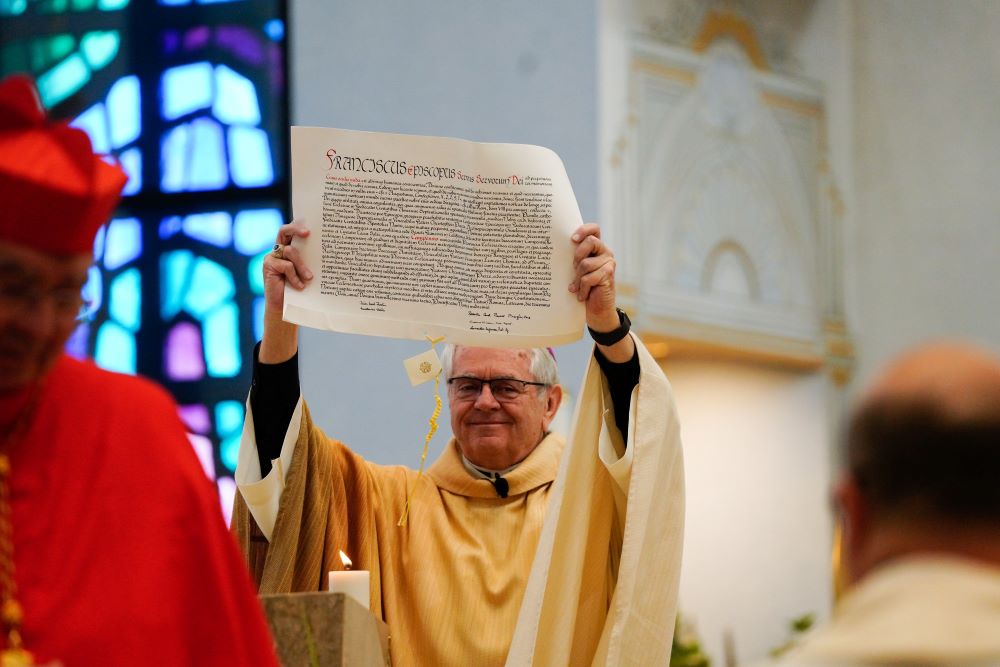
931	609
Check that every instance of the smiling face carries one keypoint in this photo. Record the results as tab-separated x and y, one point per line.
39	301
495	434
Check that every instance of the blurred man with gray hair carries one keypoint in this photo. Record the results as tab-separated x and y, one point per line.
920	510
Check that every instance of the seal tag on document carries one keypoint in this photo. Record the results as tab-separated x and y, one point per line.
423	367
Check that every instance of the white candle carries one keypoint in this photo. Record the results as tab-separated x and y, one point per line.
353	583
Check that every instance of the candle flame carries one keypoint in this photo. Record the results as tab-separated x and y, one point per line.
347	561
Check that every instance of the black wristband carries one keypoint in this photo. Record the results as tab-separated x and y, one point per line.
612	337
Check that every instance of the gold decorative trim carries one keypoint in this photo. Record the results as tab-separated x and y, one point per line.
727	24
810	109
838	571
840	356
674	347
665	71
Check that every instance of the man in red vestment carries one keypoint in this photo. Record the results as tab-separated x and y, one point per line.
113	550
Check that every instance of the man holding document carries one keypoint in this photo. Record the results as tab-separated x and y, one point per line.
517	547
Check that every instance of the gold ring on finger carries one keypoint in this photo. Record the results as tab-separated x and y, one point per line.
278	251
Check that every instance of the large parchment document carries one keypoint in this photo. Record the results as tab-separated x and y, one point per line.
425	236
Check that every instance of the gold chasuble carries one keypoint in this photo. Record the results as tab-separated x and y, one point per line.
450	583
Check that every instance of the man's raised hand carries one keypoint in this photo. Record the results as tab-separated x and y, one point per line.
285	265
594	284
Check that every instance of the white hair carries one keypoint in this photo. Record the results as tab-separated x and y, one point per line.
543	364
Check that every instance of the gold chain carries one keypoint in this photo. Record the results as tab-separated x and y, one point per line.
11	614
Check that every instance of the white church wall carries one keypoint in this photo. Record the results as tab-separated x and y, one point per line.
757	538
927	141
520	71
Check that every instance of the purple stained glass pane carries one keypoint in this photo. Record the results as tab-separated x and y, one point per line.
196	418
183	355
277	73
242	42
203	448
197	38
227	494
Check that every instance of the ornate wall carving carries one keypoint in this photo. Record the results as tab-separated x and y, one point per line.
732	239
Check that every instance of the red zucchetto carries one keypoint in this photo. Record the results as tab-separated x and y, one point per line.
54	192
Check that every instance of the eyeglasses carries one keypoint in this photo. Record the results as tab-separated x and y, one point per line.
68	302
504	390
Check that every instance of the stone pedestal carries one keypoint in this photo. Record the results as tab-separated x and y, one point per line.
325	629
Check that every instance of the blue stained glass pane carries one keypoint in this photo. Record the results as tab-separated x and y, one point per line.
275	29
47	51
125	299
171	40
12	7
100	47
255	273
258	318
171	226
93	122
99	242
235	99
214	228
93	291
194	157
229	452
175	3
63	80
124	242
115	349
222	341
228	418
123	107
186	89
131	161
255	231
173	149
76	346
111	5
210	285
208	163
52	6
174	269
250	157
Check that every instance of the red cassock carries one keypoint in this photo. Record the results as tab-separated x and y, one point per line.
122	555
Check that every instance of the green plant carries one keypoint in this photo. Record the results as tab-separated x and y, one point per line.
796	627
686	651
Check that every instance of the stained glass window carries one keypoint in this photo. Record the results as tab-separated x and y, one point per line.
189	96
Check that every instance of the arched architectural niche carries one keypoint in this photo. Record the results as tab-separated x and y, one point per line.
729	271
718	156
